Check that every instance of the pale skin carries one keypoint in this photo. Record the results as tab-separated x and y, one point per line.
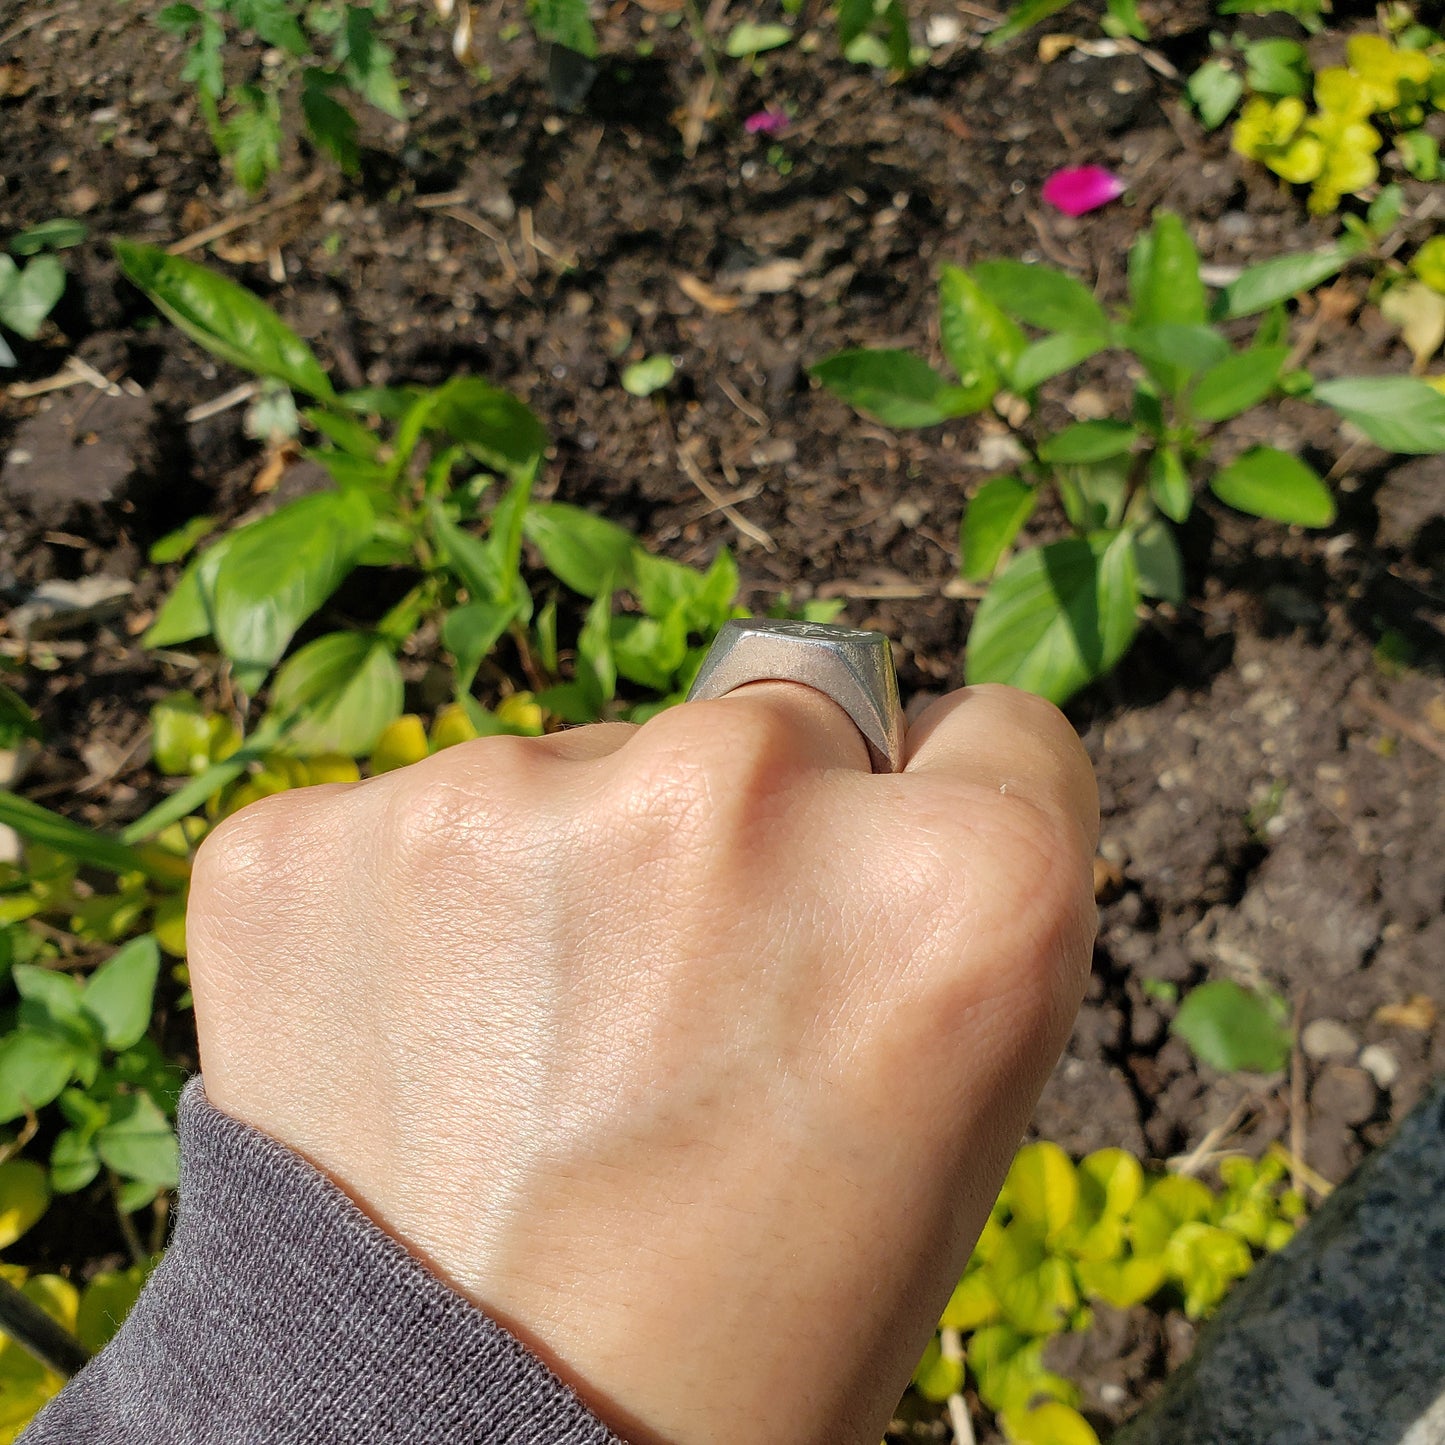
695	1053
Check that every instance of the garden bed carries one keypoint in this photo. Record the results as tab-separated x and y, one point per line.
1271	755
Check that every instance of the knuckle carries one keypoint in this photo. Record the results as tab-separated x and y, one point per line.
434	808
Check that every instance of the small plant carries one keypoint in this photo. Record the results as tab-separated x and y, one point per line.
1329	129
413	469
1059	615
1062	1235
30	289
1121	18
328	50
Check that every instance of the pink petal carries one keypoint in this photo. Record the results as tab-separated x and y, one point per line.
767	122
1082	188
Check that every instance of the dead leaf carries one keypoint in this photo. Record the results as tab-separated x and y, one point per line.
1053	46
767	279
240	253
1417	1013
1108	879
1419	312
705	296
274	468
1435	713
15	80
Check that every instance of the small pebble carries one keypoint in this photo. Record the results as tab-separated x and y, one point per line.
1380	1064
1328	1039
1344	1094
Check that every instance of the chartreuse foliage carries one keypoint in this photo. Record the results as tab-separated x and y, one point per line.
1056	616
1063	1236
1331	129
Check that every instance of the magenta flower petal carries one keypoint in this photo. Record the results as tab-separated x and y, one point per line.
767	122
1082	188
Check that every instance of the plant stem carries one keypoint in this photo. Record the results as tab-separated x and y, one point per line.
127	1225
704	44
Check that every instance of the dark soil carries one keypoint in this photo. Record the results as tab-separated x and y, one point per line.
1271	776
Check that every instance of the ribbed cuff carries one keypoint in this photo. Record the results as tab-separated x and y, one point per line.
282	1315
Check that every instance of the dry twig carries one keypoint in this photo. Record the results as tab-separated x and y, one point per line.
207	234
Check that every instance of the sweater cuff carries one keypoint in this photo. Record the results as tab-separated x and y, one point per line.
281	1313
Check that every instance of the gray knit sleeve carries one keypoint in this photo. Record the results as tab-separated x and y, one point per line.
281	1315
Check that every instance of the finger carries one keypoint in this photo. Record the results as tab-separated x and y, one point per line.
1010	741
586	743
825	735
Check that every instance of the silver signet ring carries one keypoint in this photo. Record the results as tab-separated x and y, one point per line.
852	667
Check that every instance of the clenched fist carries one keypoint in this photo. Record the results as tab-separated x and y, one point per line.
693	1052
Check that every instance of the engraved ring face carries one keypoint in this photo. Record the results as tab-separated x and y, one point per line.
853	668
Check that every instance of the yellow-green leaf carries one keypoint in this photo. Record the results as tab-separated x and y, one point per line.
24	1197
1041	1188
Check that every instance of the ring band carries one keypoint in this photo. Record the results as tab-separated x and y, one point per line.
852	667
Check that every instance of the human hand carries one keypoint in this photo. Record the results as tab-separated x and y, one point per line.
694	1053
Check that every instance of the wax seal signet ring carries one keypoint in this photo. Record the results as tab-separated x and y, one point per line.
852	667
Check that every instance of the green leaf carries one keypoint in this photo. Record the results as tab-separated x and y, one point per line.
1399	413
343	689
251	137
1157	560
1035	1289
73	1161
1170	485
28	294
1042	297
596	667
120	993
1042	1188
588	553
1122	1283
752	39
187	613
367	62
469	633
24	1198
181	735
1045	359
1052	1422
706	599
980	342
854	18
497	428
1419	154
40	825
995	514
1089	441
565	22
1174	354
1261	286
1269	483
1058	617
106	1301
56	996
937	1377
651	374
649	651
278	571
177	19
1277	67
228	320
1231	1027
139	1142
1123	18
1164	279
1214	90
35	1066
178	544
1237	383
332	126
57	234
897	387
1024	16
